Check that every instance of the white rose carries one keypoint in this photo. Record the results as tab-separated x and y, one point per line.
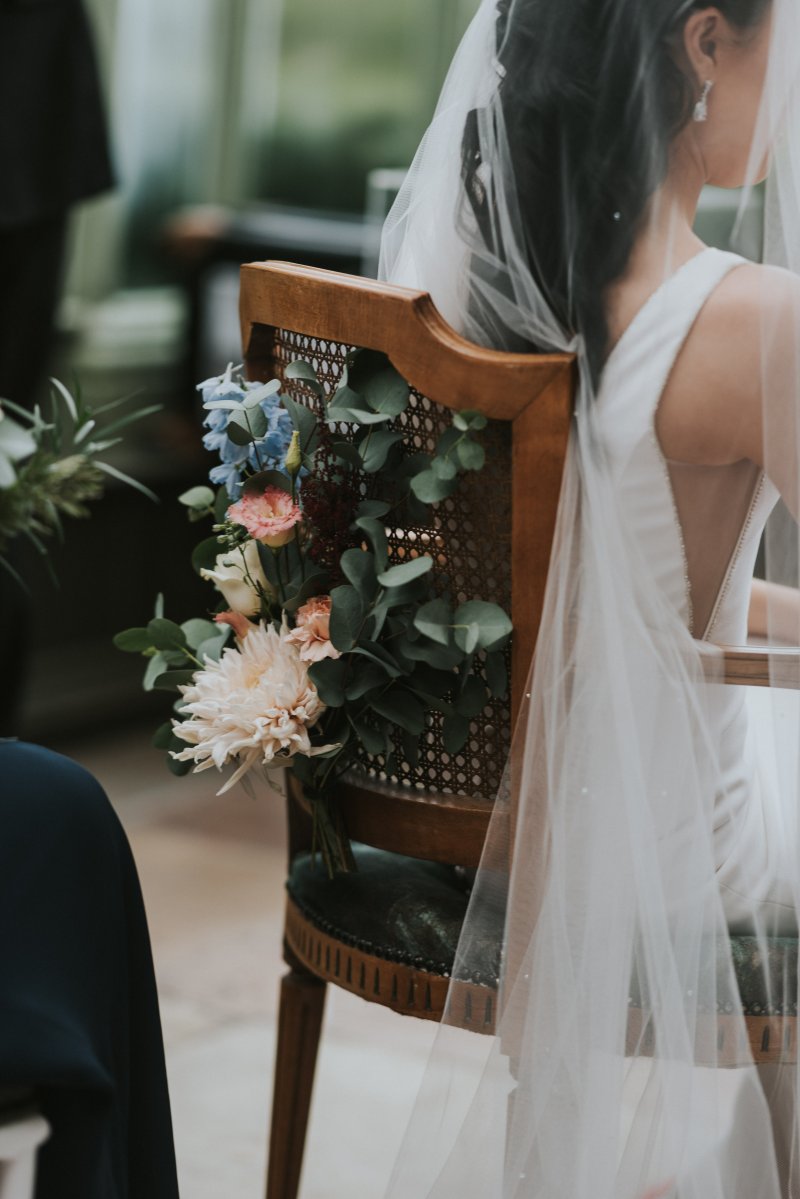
230	577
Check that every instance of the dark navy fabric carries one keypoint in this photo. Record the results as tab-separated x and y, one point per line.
79	1017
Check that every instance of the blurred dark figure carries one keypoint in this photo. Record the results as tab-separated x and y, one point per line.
80	1032
53	152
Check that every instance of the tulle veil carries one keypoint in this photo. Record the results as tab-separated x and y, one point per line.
606	1077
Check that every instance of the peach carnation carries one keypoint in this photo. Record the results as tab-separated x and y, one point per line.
312	632
240	624
269	517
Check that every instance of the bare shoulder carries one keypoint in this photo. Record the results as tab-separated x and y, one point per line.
749	329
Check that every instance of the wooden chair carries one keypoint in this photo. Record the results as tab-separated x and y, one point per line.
496	536
388	932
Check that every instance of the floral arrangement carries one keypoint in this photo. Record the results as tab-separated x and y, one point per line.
51	465
321	649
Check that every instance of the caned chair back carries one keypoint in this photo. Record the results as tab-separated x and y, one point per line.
491	540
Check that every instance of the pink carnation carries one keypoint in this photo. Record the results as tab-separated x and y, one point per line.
312	632
269	517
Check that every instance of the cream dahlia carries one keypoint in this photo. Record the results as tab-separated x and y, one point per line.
253	707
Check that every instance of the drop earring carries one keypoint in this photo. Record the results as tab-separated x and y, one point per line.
701	107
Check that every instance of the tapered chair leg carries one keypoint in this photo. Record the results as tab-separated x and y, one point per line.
299	1026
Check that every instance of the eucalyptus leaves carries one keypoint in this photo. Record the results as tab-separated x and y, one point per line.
368	636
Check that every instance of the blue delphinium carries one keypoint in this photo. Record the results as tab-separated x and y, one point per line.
268	453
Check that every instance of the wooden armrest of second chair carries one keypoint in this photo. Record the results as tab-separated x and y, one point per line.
754	666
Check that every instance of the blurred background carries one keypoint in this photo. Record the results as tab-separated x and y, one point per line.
241	130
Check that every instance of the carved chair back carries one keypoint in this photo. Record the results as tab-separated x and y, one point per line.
492	539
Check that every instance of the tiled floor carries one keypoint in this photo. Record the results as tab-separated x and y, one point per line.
212	872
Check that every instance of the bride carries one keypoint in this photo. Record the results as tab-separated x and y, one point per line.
656	865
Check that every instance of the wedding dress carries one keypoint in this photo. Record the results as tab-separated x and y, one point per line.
698	530
654	807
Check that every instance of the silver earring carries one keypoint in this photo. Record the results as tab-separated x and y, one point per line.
701	107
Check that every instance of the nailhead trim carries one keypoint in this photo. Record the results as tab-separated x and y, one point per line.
390	953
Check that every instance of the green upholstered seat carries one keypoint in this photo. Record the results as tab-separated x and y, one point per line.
767	989
766	976
398	908
410	911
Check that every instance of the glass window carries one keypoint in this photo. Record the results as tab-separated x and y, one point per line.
357	84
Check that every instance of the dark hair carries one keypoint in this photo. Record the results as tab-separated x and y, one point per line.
592	93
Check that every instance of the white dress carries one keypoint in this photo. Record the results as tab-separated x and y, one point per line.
698	531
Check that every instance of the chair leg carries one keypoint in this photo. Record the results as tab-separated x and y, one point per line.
299	1026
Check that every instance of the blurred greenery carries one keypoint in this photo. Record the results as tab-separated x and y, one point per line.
358	85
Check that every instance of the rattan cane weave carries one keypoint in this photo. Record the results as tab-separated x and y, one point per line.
470	537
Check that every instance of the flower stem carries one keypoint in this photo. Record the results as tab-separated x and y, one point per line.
329	837
253	439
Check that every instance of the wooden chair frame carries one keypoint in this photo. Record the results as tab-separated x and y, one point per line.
534	393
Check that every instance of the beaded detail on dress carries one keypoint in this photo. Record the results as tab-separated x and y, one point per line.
737	556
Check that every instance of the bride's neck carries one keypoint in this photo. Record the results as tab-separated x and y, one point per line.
666	240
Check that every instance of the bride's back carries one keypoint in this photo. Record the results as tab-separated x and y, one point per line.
672	419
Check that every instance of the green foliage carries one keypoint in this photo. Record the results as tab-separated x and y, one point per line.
133	641
165	634
347	615
170	680
52	466
204	555
481	626
497	674
268	478
406	572
399	651
401	707
434	620
358	567
328	677
304	420
173	652
370	374
305	373
376	534
198	499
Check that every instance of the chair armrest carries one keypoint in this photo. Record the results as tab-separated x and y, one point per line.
750	666
19	1140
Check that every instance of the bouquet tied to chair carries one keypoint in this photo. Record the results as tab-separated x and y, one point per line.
325	650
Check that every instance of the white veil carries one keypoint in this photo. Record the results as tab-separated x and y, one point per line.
621	1066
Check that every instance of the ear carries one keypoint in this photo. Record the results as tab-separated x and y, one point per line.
701	36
